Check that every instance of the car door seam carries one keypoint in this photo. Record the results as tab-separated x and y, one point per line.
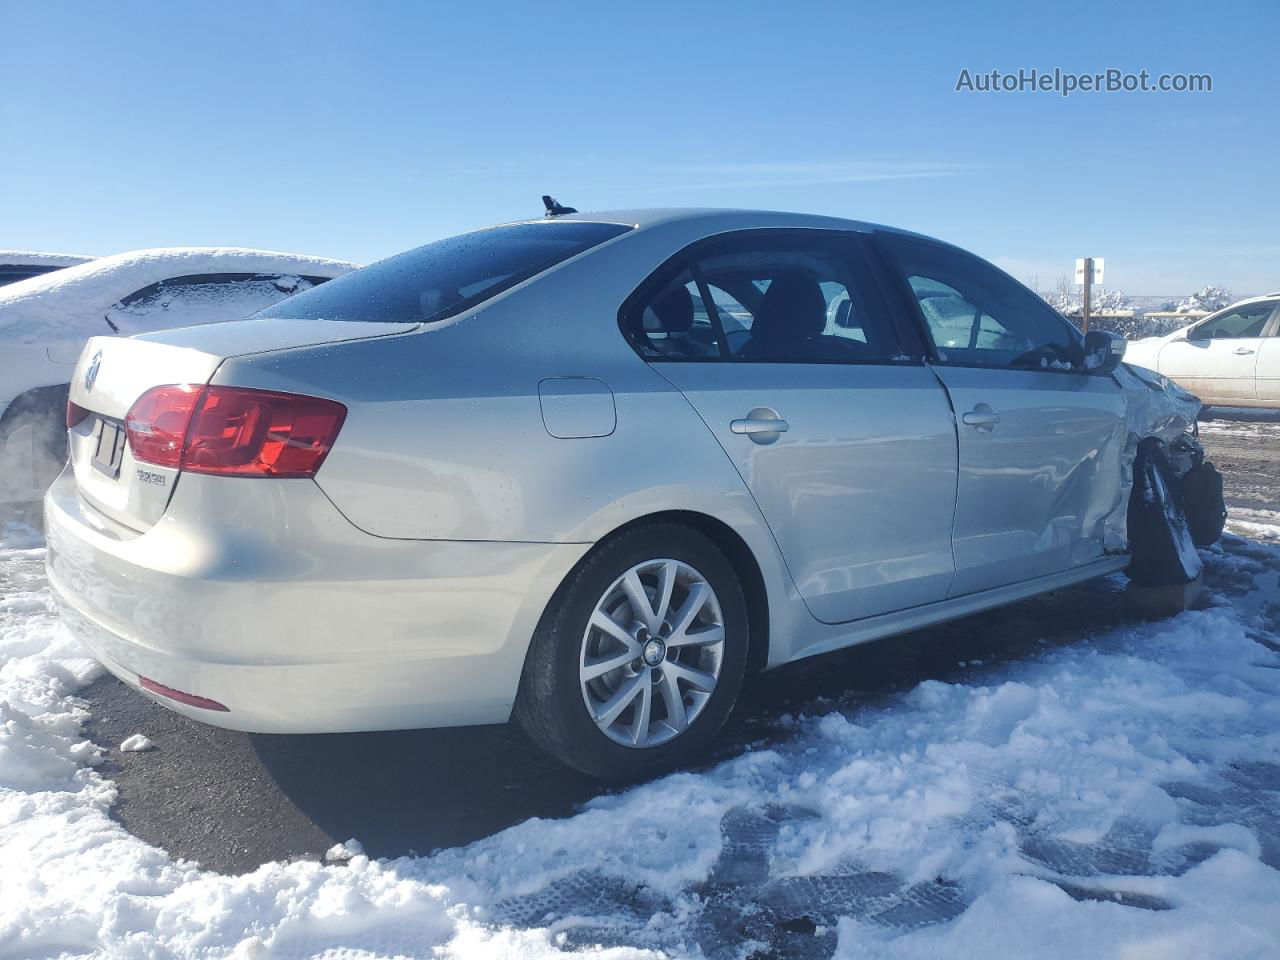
955	504
782	557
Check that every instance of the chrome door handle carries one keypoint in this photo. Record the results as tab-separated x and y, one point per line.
1243	351
762	425
754	425
981	416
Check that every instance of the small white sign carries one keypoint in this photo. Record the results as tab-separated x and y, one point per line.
1096	279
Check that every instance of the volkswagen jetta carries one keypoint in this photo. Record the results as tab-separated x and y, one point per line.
587	471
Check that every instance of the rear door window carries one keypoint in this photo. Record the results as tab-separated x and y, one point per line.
797	298
675	323
774	297
445	278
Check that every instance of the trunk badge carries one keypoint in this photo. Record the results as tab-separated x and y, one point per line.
91	374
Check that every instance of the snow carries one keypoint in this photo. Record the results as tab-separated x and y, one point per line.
1068	300
37	258
344	851
1208	299
71	302
136	743
1117	796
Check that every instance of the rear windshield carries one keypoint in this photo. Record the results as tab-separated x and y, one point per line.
444	278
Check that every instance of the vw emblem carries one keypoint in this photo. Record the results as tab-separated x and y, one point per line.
91	374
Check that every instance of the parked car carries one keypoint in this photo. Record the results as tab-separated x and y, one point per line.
18	265
1230	358
536	470
45	321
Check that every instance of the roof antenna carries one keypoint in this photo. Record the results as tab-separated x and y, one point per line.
553	207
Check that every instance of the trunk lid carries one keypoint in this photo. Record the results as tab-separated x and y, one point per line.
113	372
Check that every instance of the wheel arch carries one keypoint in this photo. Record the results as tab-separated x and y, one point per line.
735	548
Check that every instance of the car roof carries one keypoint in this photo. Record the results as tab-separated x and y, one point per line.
715	220
1261	298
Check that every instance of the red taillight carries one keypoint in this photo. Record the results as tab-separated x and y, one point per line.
259	433
157	423
233	431
75	413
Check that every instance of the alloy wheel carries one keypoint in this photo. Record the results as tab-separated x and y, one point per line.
651	653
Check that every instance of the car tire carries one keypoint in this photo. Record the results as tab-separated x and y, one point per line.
567	710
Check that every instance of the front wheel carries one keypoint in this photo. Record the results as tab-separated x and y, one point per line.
638	660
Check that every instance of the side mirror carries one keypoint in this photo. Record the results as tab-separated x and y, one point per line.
1103	351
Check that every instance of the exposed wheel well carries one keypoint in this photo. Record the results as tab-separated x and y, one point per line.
36	402
37	419
744	564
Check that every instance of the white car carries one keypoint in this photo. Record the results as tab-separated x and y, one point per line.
45	321
1230	358
17	265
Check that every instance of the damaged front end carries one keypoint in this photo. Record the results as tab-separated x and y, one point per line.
1170	497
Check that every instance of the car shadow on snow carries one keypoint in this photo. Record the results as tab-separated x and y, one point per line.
232	801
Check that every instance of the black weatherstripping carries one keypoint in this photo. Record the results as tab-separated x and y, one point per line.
444	278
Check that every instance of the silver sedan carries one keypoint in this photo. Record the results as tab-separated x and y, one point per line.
586	471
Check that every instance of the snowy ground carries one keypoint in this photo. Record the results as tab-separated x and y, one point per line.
1118	795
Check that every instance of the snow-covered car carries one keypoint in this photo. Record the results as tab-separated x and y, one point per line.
1230	358
533	470
45	321
16	265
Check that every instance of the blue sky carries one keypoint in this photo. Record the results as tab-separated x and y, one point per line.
359	129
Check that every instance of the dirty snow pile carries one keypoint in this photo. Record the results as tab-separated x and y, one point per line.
1116	797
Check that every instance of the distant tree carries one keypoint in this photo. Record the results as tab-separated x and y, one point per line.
1209	298
1067	298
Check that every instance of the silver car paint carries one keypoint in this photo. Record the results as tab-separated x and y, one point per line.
261	596
1034	491
450	510
184	355
860	503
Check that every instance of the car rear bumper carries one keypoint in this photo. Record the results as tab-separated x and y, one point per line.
293	619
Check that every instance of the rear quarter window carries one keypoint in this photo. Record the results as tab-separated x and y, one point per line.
444	278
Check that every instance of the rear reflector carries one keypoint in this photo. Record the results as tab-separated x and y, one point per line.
190	699
75	413
233	431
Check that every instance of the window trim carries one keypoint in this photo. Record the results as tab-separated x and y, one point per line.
908	301
915	352
713	312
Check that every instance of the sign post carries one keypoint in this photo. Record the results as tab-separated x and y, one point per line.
1088	272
